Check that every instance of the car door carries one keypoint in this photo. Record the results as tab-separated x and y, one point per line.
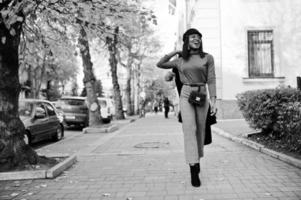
39	122
53	120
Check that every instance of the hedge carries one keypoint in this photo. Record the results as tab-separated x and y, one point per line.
276	112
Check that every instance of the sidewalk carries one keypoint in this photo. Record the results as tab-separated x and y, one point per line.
145	160
237	127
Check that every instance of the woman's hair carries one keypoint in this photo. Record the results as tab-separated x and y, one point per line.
185	49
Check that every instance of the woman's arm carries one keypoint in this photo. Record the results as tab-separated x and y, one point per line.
165	63
211	80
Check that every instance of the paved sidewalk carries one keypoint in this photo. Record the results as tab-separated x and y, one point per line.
236	127
145	160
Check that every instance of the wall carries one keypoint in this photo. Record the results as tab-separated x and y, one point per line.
206	18
238	16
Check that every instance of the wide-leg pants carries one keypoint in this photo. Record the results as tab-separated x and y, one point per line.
194	125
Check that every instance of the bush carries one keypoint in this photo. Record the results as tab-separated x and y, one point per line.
276	112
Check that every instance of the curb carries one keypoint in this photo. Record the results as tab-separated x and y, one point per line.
60	167
108	129
259	147
40	174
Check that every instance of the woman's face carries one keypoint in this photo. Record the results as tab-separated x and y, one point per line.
195	41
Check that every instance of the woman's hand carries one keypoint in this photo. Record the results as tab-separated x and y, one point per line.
213	108
173	53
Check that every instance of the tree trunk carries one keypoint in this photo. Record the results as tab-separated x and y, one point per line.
139	89
13	150
112	47
134	90
128	91
89	80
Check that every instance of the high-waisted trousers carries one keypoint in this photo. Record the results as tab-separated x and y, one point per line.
194	125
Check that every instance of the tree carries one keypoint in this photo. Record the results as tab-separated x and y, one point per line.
99	88
157	88
112	47
89	79
46	54
134	46
13	150
87	15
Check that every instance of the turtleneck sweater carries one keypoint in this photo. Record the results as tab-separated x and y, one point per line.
194	70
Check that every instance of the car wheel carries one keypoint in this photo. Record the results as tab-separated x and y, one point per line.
86	124
27	138
59	134
106	120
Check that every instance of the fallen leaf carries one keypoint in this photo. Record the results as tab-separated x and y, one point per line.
106	194
14	194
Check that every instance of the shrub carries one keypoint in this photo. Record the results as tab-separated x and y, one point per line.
276	112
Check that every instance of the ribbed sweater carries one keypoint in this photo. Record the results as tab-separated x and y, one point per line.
194	70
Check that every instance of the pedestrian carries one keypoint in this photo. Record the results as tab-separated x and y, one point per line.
155	106
142	108
196	69
166	104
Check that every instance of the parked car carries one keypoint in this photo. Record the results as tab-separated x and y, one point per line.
59	110
107	109
41	120
75	110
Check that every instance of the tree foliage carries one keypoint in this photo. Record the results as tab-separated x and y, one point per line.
46	54
83	18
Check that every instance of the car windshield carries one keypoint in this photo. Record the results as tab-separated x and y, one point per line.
73	102
25	108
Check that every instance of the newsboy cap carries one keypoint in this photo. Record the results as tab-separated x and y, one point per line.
190	32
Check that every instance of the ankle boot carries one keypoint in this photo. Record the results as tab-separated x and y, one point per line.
197	166
194	172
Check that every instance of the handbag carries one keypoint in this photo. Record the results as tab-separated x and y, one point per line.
197	98
211	119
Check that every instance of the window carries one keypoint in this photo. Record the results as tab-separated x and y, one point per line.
40	111
260	54
50	109
172	7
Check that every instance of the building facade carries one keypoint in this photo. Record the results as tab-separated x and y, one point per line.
256	44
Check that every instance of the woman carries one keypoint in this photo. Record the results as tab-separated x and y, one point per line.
196	69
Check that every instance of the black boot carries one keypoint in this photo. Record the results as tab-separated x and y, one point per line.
194	172
197	166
